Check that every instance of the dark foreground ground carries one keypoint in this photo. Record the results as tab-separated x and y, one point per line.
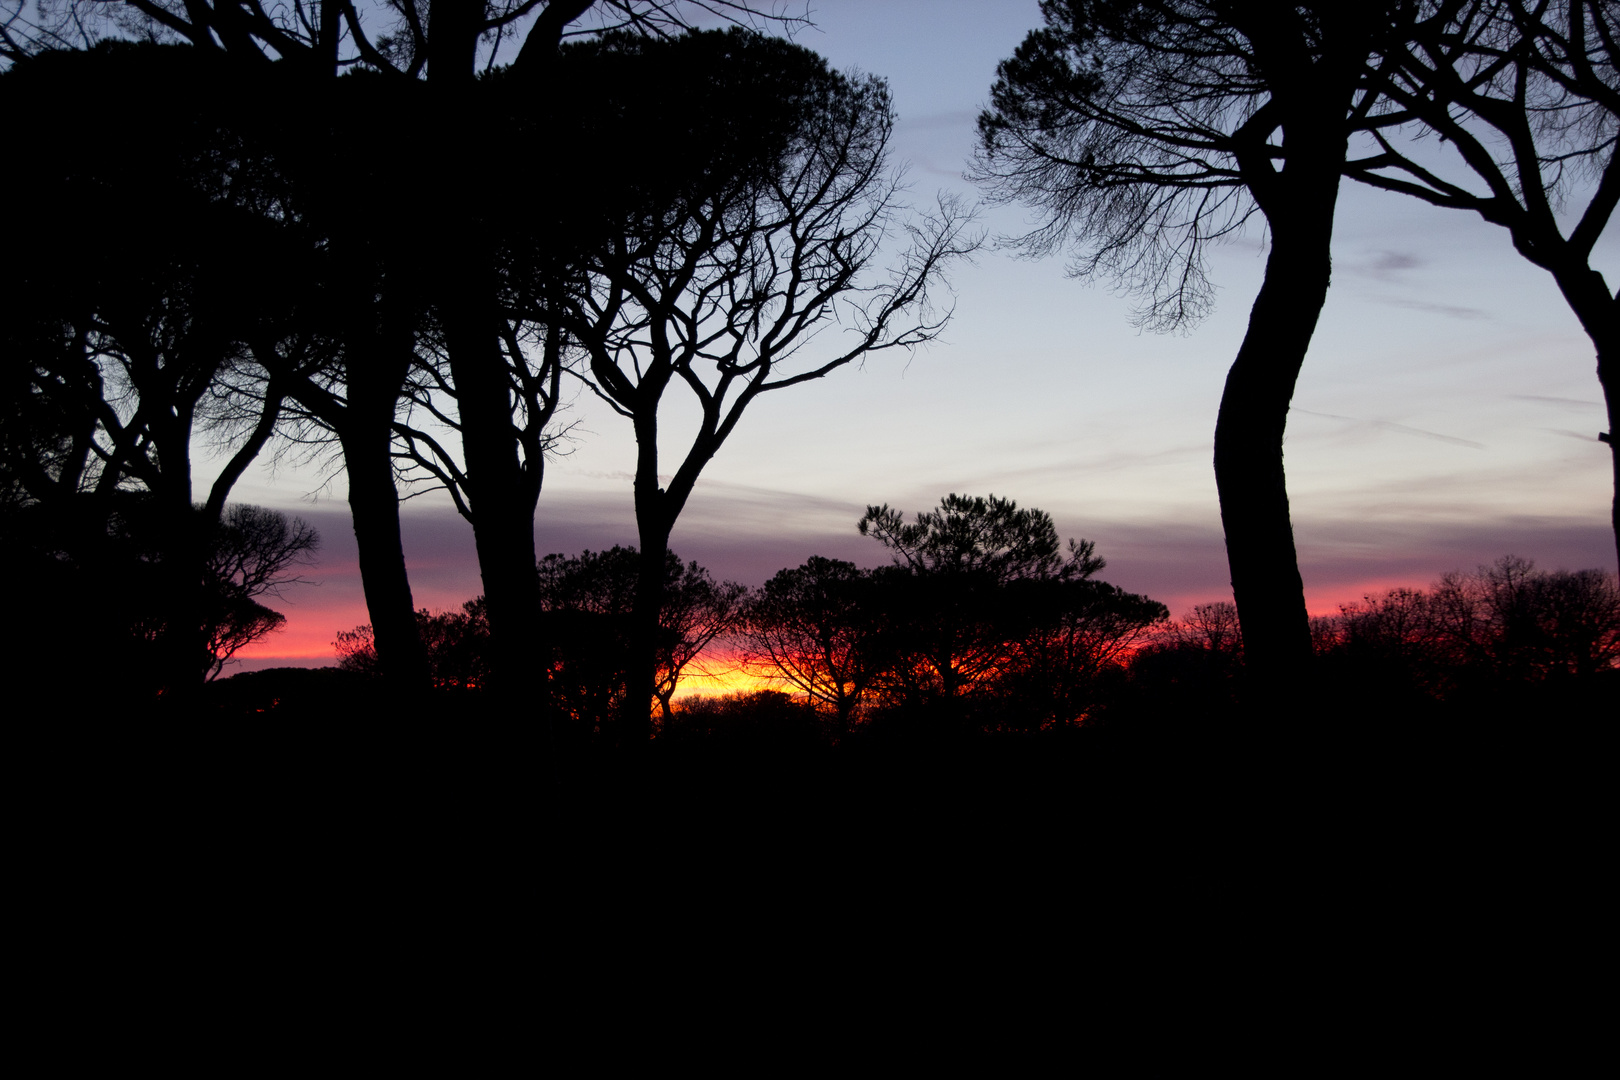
1369	868
299	748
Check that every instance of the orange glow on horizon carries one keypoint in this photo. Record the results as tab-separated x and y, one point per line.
1326	599
307	638
724	681
716	672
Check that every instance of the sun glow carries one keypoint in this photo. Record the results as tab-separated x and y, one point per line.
716	673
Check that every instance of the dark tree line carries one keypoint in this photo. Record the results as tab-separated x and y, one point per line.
1504	624
588	611
993	632
981	622
675	211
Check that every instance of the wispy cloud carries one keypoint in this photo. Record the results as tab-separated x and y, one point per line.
1078	469
1387	425
1452	310
1386	265
1582	403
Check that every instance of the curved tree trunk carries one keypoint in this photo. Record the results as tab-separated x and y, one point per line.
1249	474
1609	376
1607	340
374	505
1587	294
378	362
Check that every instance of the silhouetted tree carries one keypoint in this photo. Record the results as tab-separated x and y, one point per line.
250	555
1144	130
326	37
982	605
1527	94
122	326
1192	664
1523	624
589	602
1080	637
974	535
817	627
99	570
456	644
425	78
1503	626
715	277
1212	628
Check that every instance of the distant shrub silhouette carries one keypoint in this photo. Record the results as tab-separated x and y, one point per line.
1190	665
1507	623
456	642
588	601
762	720
818	628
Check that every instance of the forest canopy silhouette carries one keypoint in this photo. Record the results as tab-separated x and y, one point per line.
280	232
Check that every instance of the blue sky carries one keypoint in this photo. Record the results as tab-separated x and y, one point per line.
1447	413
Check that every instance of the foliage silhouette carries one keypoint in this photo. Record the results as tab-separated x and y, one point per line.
1505	624
106	560
983	536
456	644
438	124
985	622
716	278
1144	131
817	627
1192	663
128	331
1527	94
250	555
589	602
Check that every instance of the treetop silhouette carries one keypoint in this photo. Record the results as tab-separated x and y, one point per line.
979	535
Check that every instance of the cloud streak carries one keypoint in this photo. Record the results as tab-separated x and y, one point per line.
1453	310
1583	403
1403	429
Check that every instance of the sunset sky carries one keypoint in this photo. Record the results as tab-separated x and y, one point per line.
1447	413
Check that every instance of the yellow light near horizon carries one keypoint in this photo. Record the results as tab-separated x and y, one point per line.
722	681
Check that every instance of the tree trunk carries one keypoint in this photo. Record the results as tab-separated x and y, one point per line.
379	355
653	525
502	492
374	505
1249	475
184	647
1587	294
183	555
1609	376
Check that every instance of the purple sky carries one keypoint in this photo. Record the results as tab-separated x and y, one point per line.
1447	413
